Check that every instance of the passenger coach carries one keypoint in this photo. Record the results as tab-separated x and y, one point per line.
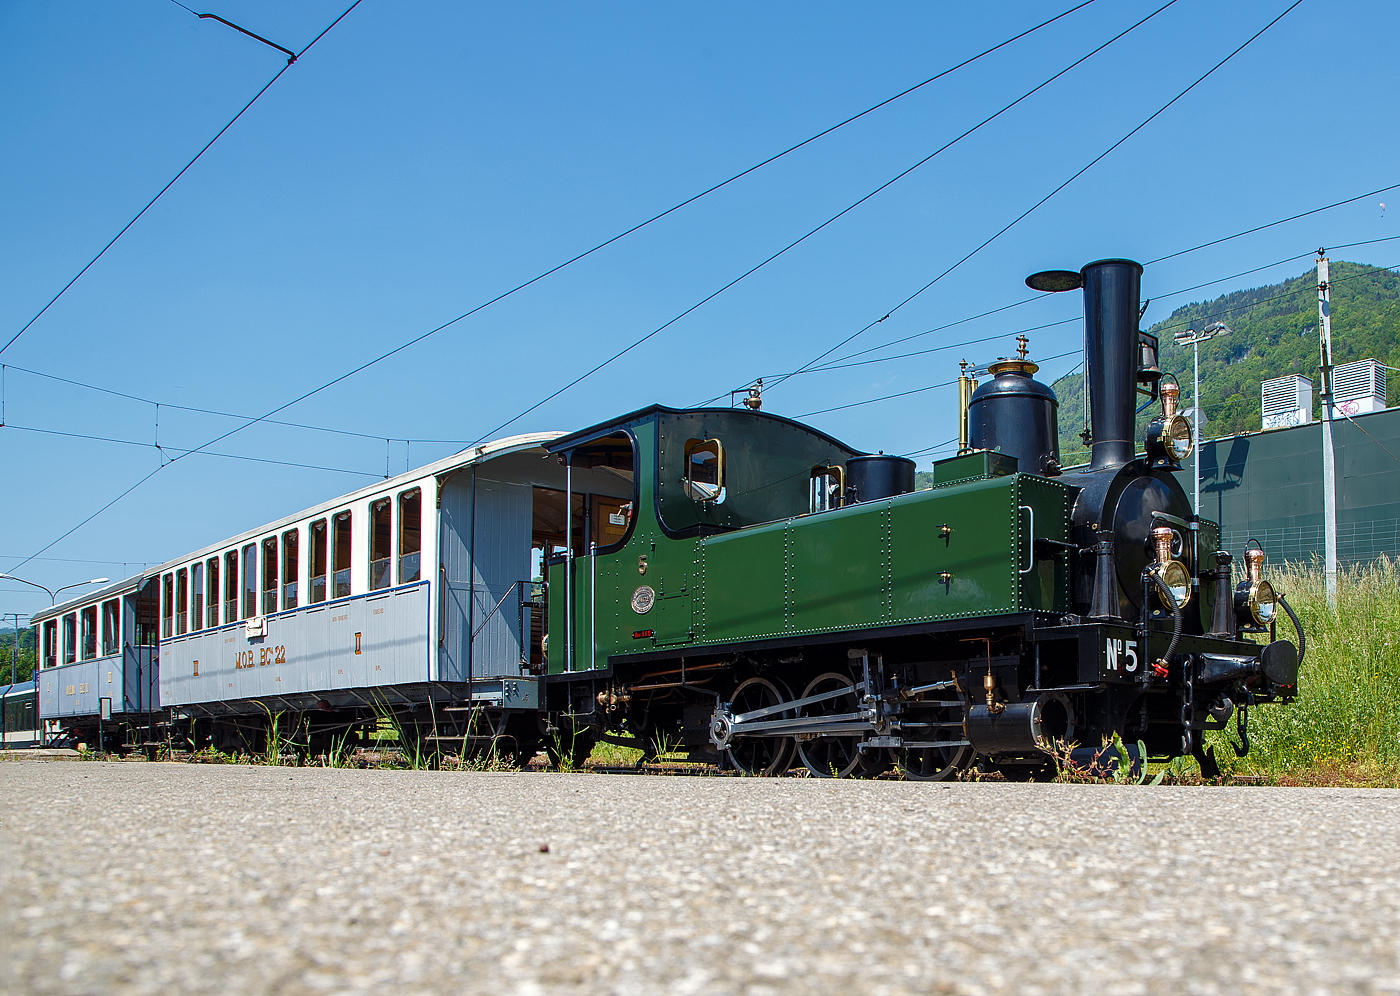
416	596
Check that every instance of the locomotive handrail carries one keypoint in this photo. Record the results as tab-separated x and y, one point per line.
1030	546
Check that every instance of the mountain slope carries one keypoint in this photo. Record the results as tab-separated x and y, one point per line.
1274	333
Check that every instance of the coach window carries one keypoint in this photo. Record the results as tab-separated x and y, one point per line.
250	580
111	627
340	550
410	534
182	601
317	563
231	586
291	567
167	607
196	597
70	638
213	565
269	585
51	643
89	623
380	530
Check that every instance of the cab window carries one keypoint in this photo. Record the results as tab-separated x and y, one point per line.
827	485
704	470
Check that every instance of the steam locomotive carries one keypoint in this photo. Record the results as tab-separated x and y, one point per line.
1011	606
724	580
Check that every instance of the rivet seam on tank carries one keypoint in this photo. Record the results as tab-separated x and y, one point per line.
787	576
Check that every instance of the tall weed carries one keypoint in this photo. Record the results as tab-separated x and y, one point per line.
1347	712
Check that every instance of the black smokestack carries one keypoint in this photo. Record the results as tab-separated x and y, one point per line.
1111	288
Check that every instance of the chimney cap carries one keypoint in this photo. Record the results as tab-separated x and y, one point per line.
1055	281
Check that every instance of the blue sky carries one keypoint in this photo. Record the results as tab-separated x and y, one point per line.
422	158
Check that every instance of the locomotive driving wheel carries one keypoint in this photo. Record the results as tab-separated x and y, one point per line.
937	720
759	755
829	755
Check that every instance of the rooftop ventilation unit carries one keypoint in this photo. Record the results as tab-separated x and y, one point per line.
1359	387
1287	401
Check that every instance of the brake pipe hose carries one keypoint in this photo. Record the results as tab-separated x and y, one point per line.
1161	666
1302	639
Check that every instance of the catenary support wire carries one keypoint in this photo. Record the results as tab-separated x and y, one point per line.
177	176
1021	217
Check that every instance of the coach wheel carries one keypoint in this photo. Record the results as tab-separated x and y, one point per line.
759	755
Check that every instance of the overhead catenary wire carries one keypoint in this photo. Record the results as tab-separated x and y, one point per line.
841	362
846	362
917	390
142	481
274	412
540	276
1274	224
177	176
1019	218
209	411
796	242
185	452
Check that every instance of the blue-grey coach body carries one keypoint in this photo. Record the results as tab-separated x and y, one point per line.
118	665
128	679
433	603
378	638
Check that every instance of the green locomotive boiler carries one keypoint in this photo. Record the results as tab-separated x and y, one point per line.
771	597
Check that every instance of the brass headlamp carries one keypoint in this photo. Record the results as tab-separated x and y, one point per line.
1256	605
1169	436
1173	573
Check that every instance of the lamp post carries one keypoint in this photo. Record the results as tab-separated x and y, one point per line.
1194	339
14	644
53	593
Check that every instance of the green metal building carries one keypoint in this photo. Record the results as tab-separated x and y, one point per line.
1268	486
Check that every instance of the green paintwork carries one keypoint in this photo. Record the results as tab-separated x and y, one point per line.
878	563
979	463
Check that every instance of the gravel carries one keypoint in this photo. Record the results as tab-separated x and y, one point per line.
168	878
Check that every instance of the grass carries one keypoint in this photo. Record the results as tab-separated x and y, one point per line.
1344	726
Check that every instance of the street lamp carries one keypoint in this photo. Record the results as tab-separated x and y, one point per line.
1194	339
53	593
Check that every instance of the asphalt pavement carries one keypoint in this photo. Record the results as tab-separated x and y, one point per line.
186	879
